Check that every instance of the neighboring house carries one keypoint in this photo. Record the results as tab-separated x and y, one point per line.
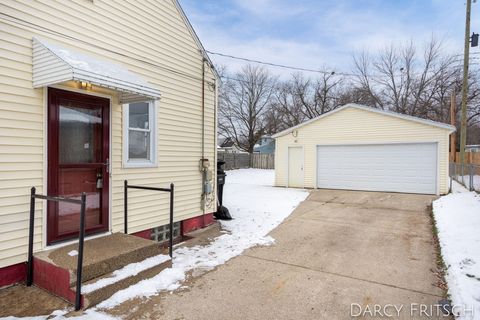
360	148
265	145
228	145
93	93
472	148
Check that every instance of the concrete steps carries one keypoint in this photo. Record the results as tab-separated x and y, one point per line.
91	298
111	263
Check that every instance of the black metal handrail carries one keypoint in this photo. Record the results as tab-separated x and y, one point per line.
81	239
125	204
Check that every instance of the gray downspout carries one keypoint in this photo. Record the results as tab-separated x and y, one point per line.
204	173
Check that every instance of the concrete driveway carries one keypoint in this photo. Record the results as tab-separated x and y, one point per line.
337	248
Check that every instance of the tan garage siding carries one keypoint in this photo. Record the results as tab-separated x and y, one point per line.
358	126
145	33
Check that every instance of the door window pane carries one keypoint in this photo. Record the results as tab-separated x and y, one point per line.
80	132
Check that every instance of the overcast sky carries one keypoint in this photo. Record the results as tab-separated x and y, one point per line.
323	33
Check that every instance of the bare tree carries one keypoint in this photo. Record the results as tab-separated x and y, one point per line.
399	78
317	96
406	81
302	98
286	108
473	100
414	82
244	101
473	106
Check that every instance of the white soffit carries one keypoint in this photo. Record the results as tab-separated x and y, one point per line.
53	64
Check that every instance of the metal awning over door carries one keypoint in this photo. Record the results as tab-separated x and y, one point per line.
53	64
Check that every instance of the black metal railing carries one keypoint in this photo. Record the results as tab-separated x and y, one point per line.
125	204
81	239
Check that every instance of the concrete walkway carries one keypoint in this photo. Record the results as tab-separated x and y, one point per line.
337	248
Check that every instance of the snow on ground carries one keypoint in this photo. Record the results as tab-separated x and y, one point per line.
256	207
457	217
258	177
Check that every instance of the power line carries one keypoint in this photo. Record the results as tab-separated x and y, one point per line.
170	69
280	65
34	26
461	54
303	69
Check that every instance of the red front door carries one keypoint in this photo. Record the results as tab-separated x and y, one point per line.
78	151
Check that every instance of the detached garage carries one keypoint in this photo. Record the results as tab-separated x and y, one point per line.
361	148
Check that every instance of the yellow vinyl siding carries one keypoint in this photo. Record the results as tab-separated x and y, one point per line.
357	126
145	34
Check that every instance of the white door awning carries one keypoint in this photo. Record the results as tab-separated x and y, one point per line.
53	64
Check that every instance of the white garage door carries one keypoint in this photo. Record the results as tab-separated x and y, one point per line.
410	168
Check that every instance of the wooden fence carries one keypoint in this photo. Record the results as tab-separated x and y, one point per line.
470	157
246	160
262	160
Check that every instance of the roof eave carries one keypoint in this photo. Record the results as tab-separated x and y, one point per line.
194	34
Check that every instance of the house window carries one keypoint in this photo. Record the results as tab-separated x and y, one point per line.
139	136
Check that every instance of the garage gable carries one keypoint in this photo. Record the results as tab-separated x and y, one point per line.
362	115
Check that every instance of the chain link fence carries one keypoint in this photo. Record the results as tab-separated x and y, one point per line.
467	175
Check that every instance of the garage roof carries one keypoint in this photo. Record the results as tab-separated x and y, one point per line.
54	64
362	107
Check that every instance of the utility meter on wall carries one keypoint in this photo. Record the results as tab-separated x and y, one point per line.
207	176
204	164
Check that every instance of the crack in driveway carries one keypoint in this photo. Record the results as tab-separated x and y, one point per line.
343	275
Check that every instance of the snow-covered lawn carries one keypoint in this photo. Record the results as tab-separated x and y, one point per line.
256	207
256	177
457	217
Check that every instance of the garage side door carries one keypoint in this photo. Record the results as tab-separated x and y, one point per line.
410	168
295	167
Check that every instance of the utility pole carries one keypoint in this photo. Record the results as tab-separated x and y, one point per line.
453	146
466	57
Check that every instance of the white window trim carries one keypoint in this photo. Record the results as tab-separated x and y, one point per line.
138	163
